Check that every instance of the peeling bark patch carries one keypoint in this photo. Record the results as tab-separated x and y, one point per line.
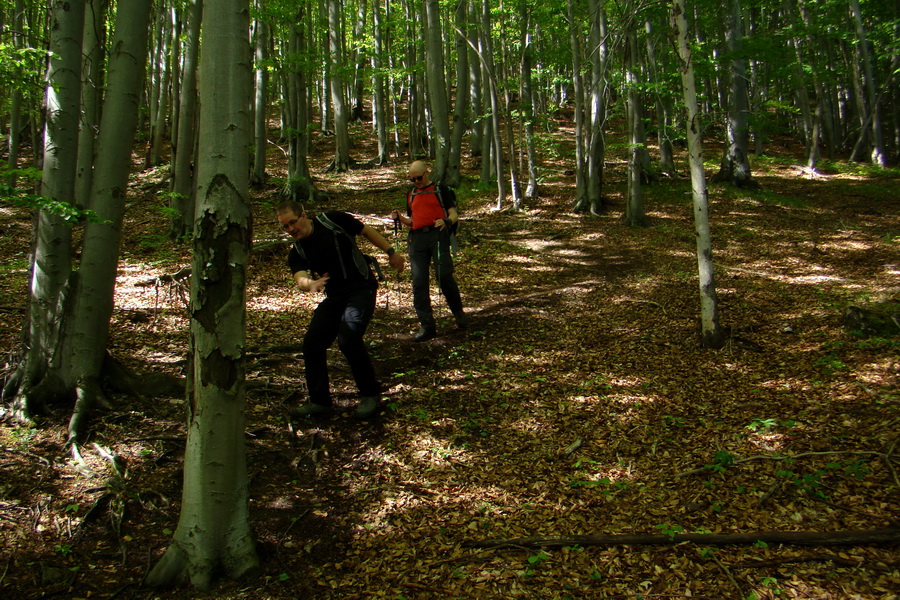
221	249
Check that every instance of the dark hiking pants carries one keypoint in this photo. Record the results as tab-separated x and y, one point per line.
427	247
344	318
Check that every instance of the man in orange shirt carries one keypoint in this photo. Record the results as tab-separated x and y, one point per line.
430	214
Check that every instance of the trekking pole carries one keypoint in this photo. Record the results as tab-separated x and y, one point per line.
396	244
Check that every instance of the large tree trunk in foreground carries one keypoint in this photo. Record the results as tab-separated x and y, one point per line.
213	537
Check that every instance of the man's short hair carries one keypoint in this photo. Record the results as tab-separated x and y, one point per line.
290	206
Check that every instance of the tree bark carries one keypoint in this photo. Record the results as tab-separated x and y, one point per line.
580	167
735	167
711	333
213	536
260	139
38	379
437	90
335	59
87	324
182	200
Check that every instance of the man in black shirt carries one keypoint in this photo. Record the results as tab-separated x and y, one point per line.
325	258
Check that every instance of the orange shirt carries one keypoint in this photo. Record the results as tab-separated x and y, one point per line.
424	207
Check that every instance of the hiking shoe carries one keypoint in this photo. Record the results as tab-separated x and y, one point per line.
311	409
424	334
462	320
368	406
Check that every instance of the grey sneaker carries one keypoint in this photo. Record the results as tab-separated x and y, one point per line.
311	409
368	406
424	334
462	320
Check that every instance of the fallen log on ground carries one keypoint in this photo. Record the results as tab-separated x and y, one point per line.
858	537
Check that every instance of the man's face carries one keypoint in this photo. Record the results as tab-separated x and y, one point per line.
296	226
419	177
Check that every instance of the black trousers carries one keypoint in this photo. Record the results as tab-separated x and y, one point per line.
427	248
344	318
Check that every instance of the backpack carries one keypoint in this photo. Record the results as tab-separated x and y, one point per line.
363	262
437	192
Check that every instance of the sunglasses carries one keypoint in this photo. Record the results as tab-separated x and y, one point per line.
416	179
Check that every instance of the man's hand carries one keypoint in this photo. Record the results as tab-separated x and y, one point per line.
397	262
318	285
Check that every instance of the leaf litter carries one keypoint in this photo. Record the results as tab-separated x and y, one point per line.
578	403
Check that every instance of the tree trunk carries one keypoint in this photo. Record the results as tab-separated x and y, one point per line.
213	536
87	324
260	137
38	379
592	201
711	333
161	107
663	106
300	186
94	42
16	108
872	116
735	166
335	59
182	200
580	168
528	97
487	59
437	90
463	94
379	94
634	203
357	112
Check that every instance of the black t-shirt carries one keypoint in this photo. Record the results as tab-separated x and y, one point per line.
322	254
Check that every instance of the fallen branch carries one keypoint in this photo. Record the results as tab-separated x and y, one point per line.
706	468
859	537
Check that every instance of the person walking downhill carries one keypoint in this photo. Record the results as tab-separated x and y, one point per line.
431	215
325	258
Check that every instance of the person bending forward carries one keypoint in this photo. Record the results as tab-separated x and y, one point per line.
329	261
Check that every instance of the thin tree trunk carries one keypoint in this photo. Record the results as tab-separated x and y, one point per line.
711	333
634	203
182	200
379	94
581	197
487	58
260	137
872	115
735	166
528	101
94	42
341	163
161	108
437	91
463	94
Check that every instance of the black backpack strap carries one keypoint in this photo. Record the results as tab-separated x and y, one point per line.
362	261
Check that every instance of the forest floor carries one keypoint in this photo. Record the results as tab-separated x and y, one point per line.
580	402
